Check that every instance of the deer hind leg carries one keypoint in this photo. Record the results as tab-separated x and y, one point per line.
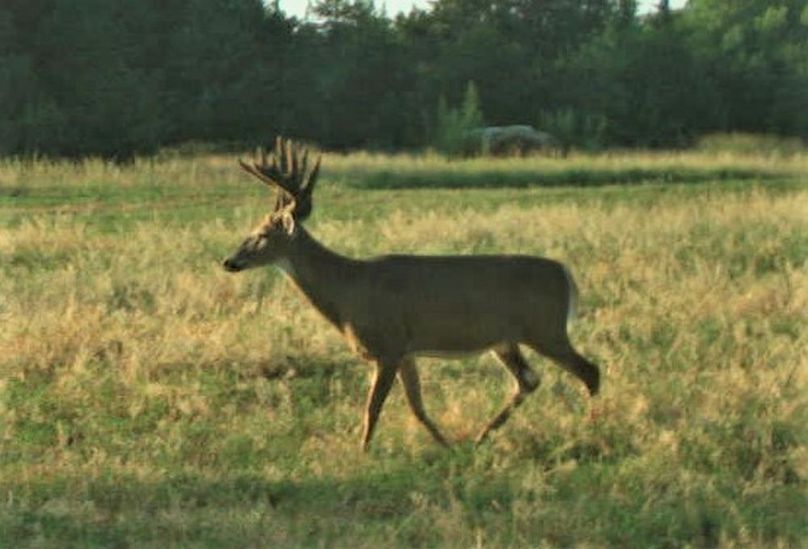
408	374
561	351
383	379
526	382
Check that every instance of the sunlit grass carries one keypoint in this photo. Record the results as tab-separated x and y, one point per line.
378	170
148	397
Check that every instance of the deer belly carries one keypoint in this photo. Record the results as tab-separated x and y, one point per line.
449	355
458	339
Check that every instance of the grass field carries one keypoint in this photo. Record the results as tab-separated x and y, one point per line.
148	398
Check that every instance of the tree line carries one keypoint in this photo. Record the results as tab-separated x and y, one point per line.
116	79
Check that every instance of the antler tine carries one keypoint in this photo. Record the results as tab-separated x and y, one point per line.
279	157
291	163
263	158
294	149
254	170
304	164
311	180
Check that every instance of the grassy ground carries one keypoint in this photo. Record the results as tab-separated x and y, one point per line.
149	398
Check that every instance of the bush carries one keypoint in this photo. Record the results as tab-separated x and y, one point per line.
574	129
454	132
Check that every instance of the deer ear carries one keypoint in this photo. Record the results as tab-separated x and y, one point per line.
288	221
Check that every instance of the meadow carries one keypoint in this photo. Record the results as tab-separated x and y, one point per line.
148	398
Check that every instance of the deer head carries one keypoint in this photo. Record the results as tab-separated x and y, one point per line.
288	172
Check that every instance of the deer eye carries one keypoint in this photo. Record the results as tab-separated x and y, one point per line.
253	242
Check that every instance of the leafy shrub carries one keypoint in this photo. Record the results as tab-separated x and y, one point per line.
575	129
454	129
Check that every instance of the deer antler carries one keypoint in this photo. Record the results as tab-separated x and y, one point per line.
287	170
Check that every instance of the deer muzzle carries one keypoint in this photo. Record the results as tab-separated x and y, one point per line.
231	265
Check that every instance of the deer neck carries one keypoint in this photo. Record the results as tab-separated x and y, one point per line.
319	273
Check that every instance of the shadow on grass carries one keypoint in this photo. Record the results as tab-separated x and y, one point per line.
398	504
193	507
520	178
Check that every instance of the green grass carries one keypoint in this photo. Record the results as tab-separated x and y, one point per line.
148	398
405	172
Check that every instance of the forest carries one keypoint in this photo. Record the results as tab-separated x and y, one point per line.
116	79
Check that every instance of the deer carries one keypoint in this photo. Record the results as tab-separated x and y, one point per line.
393	309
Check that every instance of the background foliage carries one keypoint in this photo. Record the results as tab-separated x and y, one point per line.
115	79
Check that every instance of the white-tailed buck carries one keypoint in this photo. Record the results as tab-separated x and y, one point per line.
394	308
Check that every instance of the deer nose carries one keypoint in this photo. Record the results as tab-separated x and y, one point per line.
230	265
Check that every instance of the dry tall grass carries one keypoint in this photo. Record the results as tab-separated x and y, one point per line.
129	360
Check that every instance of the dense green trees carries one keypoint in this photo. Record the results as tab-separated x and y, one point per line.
114	78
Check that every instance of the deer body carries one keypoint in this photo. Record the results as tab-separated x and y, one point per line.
392	309
396	306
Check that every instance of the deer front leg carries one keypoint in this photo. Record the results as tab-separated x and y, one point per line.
383	379
526	382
